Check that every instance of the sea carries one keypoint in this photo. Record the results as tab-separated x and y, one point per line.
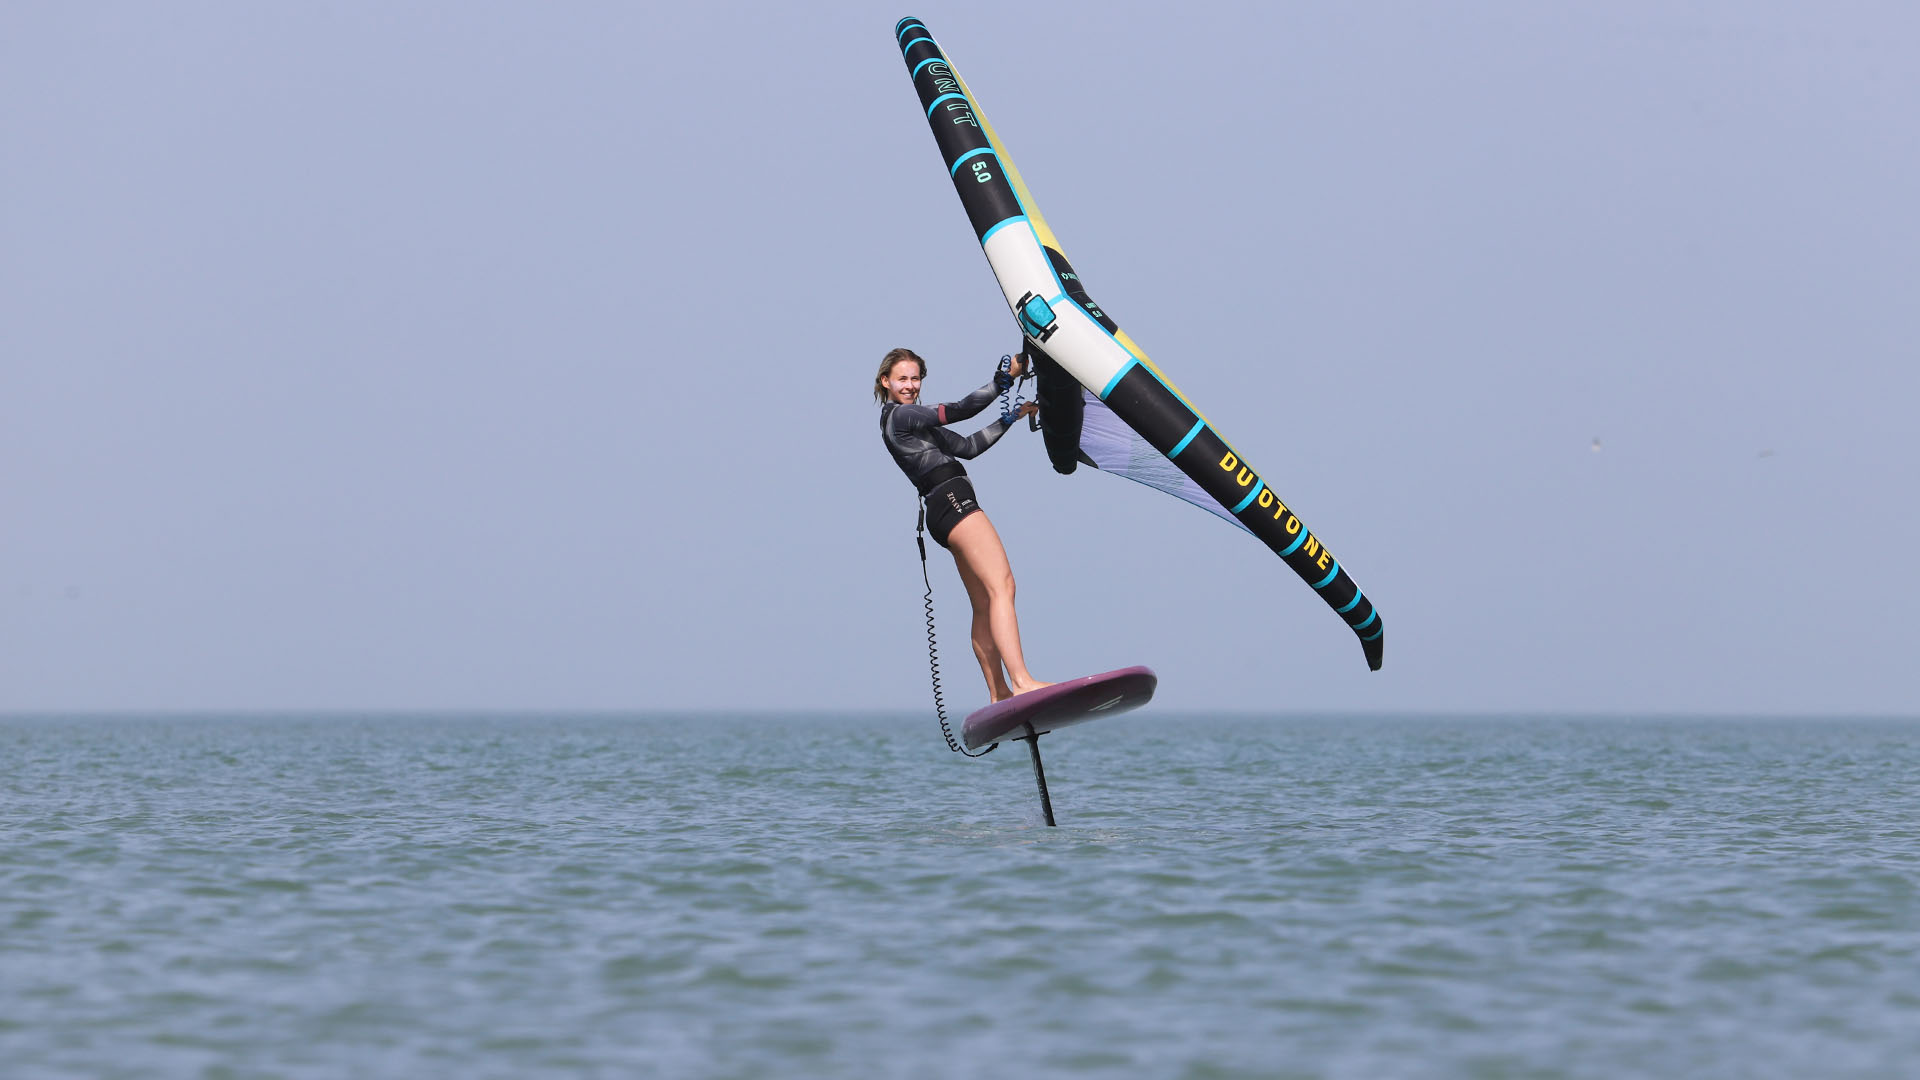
840	896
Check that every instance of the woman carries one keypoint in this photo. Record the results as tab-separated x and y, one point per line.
926	451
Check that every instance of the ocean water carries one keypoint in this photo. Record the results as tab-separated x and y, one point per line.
714	896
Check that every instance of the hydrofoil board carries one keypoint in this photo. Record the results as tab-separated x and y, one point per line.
1063	704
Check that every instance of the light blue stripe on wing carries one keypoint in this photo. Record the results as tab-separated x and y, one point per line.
1375	634
1131	363
1182	444
917	41
1297	541
941	98
1248	501
916	68
1353	603
970	154
1014	220
1331	574
1366	622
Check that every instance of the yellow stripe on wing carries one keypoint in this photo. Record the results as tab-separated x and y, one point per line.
1007	166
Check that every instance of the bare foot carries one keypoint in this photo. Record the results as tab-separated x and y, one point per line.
1028	688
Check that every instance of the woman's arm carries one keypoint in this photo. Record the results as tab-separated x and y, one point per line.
970	446
971	404
925	422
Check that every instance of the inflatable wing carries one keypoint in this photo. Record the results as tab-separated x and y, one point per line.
1117	399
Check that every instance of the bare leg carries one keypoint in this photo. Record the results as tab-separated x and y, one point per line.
983	648
982	558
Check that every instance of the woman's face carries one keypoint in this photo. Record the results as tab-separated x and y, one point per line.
903	382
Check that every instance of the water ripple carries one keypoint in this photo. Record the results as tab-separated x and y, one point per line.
838	896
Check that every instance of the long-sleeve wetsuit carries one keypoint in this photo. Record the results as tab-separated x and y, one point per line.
925	450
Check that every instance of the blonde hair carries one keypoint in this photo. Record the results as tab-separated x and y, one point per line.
893	357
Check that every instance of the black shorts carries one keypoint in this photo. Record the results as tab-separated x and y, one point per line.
949	502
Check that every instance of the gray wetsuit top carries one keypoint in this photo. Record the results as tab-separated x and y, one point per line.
918	439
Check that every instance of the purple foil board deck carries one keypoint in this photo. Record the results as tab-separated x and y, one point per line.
1063	704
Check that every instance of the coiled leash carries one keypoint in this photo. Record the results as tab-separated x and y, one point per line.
933	648
1009	403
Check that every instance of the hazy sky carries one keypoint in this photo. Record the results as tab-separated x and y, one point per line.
517	356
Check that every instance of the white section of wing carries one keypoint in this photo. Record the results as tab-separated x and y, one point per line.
1080	344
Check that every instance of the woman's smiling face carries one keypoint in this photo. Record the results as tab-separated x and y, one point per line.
903	382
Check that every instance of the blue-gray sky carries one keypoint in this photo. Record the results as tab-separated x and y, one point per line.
517	356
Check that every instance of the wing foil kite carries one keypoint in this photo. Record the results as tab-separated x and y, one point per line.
1102	401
